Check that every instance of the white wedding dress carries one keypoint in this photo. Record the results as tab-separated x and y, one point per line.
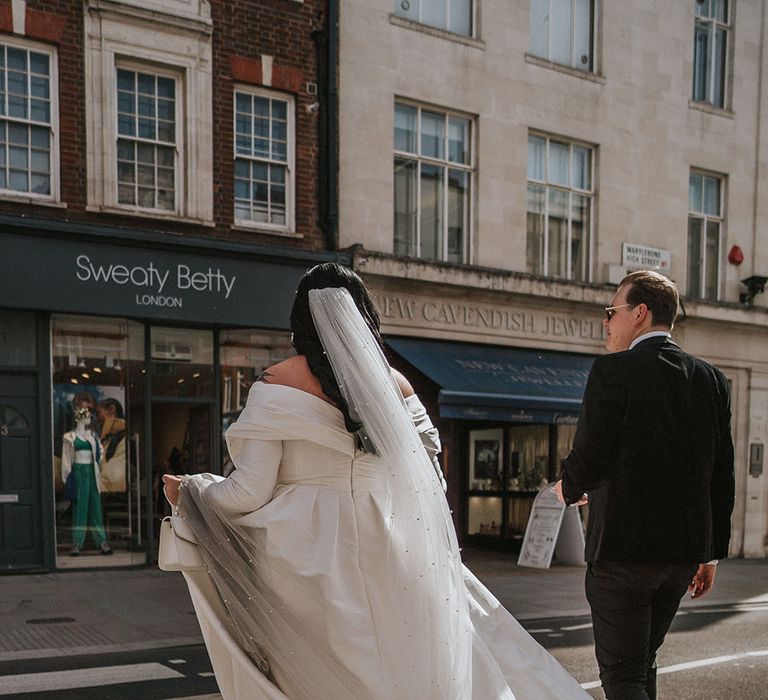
308	517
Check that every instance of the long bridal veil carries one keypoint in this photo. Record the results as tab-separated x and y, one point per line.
424	590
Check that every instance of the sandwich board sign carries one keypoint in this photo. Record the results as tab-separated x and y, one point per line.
553	529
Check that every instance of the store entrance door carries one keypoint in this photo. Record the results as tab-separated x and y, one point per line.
20	508
182	439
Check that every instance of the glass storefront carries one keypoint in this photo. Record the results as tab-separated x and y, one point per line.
506	467
243	356
100	364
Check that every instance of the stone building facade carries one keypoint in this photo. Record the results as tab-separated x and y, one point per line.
517	160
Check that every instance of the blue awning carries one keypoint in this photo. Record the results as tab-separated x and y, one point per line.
486	382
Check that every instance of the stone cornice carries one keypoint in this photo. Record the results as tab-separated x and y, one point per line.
502	284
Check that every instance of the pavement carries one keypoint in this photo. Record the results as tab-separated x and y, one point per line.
98	611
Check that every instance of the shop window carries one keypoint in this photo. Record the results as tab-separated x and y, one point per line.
507	467
485	515
28	121
486	472
528	458
97	362
264	151
244	355
433	179
18	339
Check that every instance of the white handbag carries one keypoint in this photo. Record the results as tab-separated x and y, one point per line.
178	547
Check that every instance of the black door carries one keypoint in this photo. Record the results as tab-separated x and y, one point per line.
20	516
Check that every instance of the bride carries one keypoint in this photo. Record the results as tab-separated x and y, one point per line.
332	566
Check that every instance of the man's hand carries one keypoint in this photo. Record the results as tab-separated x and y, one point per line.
557	489
702	580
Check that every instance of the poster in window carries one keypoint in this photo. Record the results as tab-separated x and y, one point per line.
485	458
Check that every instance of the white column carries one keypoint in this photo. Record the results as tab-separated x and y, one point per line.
756	491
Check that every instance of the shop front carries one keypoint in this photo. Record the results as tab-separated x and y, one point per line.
160	343
507	418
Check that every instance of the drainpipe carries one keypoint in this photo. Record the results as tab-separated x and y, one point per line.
327	41
758	123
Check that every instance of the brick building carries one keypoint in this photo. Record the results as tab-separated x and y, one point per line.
163	185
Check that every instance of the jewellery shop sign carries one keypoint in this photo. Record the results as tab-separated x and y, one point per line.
154	284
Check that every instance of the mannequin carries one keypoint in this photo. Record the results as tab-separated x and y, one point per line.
81	454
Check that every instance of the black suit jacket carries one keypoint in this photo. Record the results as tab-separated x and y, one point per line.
653	450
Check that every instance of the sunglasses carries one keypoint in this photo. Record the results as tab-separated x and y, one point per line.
610	311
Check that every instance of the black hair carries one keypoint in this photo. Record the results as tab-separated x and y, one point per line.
305	339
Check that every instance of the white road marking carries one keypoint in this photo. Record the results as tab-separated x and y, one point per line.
695	664
85	678
730	609
177	661
205	674
570	628
540	631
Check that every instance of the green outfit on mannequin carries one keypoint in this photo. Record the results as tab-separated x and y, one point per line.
81	455
87	507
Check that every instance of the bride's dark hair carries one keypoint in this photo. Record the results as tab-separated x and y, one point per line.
305	339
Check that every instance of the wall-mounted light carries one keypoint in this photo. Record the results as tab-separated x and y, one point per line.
750	287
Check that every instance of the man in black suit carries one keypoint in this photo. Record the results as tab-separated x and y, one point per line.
654	456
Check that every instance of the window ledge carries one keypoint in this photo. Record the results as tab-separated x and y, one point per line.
567	70
434	31
21	199
711	109
159	216
266	231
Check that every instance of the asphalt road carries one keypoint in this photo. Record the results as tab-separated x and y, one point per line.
154	674
715	652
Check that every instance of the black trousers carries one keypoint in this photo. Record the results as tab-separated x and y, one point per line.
633	605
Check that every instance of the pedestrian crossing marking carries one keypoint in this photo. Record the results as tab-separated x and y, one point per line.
85	678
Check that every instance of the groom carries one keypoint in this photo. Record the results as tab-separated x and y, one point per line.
654	454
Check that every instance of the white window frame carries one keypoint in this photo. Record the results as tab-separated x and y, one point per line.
140	38
471	169
290	164
178	146
399	12
55	162
705	219
714	25
591	194
575	62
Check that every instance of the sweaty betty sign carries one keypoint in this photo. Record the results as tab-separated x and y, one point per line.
156	285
